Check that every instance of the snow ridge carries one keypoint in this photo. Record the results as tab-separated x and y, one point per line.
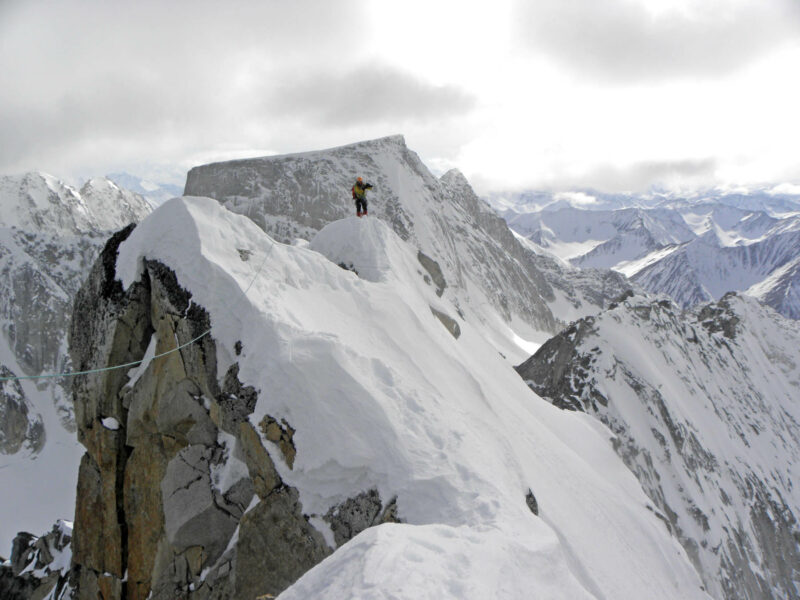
380	395
704	409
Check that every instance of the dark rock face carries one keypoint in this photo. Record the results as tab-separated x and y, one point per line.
666	440
434	271
356	514
530	500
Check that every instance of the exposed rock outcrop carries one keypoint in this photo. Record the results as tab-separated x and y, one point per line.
39	566
178	495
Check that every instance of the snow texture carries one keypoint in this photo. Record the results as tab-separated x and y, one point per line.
381	396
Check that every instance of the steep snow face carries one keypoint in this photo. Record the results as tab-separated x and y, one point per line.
112	206
50	235
37	202
297	195
380	395
704	407
781	290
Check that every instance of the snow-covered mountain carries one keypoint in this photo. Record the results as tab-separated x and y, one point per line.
779	200
704	410
50	234
338	433
480	260
693	252
155	193
326	406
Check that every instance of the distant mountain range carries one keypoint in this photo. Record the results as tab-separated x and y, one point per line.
155	193
693	250
50	234
778	199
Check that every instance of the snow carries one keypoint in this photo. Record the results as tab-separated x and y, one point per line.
382	396
735	411
36	489
110	423
135	373
232	469
629	268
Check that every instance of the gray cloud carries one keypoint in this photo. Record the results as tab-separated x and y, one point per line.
643	175
620	41
368	94
87	80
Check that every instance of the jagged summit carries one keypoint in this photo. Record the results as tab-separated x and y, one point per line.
38	202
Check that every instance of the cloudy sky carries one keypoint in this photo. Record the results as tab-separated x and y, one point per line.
610	94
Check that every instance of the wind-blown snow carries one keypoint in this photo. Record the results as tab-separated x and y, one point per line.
382	396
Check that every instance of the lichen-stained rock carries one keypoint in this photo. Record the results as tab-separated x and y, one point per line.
178	495
280	434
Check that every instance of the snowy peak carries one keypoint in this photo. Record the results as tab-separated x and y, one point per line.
704	408
111	206
40	202
324	406
297	195
692	251
37	202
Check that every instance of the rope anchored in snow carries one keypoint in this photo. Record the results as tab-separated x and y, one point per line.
139	362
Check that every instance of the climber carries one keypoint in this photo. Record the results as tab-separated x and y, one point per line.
360	196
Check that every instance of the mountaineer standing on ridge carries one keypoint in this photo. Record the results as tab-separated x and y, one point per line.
360	196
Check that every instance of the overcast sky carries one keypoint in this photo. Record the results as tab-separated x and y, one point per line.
610	94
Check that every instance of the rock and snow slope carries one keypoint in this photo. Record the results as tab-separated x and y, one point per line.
50	234
483	264
704	406
358	394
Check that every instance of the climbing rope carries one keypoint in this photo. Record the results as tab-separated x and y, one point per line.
138	362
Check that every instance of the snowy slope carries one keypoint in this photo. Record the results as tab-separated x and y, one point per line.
381	395
705	409
50	235
481	261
